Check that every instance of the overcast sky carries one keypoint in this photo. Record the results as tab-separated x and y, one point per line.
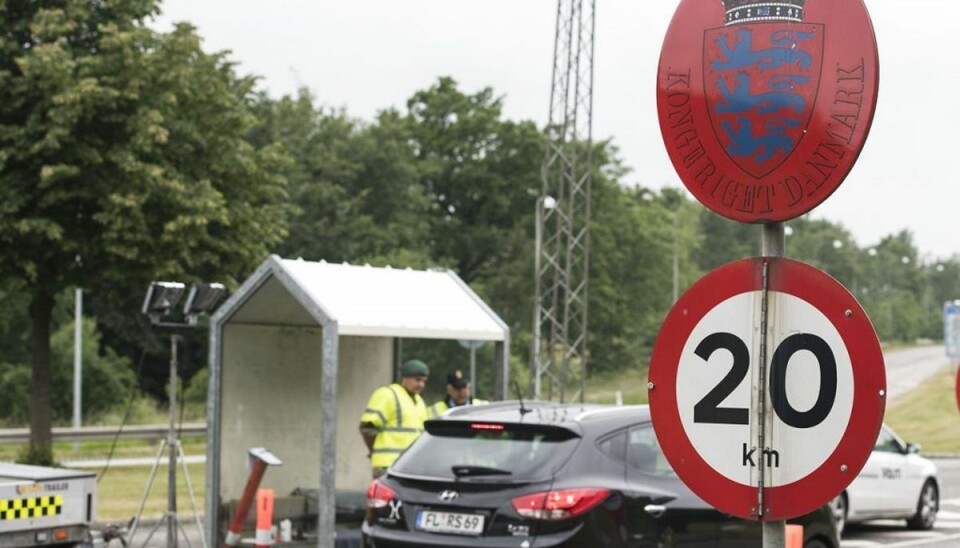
366	55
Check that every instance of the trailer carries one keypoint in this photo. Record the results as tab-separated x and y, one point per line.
41	506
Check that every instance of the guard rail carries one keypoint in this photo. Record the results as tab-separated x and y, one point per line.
88	433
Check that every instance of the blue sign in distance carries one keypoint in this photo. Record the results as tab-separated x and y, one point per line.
951	328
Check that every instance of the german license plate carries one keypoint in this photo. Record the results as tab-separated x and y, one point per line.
448	522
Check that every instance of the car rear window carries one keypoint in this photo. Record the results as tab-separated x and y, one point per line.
526	452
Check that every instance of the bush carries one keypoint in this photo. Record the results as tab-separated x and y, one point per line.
107	379
14	379
195	395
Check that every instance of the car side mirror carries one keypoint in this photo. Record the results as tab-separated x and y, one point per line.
913	448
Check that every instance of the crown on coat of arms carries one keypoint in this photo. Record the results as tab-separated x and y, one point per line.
755	11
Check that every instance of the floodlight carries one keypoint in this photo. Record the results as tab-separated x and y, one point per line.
203	299
161	298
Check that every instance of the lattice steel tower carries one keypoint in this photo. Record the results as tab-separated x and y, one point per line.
563	210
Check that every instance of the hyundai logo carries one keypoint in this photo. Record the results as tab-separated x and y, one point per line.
447	495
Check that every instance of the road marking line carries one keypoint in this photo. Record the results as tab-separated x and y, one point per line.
923	542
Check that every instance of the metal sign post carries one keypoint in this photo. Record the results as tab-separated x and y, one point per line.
773	533
472	346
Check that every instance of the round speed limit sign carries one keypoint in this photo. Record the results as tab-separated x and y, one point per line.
767	385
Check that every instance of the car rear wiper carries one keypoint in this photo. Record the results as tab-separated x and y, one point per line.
461	470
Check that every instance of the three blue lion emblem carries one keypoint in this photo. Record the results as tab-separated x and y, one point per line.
783	105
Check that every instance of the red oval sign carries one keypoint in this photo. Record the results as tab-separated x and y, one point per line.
765	106
957	388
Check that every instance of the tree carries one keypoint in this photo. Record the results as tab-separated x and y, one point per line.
825	245
122	158
481	173
14	343
725	240
107	377
355	184
632	243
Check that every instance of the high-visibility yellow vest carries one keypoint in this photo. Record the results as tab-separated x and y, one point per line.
399	418
441	406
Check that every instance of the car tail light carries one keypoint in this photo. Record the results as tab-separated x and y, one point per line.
486	426
561	504
379	495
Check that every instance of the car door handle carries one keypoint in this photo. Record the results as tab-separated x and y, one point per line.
655	510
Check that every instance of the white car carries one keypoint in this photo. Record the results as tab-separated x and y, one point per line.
896	483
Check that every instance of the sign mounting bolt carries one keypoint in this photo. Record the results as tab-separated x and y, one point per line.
848	313
843	468
882	392
651	386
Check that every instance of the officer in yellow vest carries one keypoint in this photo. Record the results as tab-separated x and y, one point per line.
458	394
394	416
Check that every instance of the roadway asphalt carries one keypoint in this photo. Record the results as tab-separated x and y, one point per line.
909	367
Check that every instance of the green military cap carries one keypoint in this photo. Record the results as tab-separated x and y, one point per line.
414	368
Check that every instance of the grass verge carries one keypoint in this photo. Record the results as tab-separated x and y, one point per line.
604	388
928	414
120	490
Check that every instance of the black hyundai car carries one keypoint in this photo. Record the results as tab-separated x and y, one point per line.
545	474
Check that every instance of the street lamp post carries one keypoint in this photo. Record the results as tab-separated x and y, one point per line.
676	254
542	203
77	362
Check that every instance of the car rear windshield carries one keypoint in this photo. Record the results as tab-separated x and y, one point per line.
487	452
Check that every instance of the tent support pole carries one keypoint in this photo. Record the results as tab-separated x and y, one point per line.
326	499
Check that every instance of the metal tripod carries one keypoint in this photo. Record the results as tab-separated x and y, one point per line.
174	526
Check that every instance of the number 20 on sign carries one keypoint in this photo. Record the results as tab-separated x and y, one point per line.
774	341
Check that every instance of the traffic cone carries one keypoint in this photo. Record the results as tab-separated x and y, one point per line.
264	537
794	536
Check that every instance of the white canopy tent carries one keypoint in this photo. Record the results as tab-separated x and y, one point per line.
277	366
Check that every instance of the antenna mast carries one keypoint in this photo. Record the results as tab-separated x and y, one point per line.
563	210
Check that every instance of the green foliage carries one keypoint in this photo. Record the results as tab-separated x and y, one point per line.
14	381
107	379
14	343
196	391
480	172
354	185
122	151
195	396
122	159
630	276
725	241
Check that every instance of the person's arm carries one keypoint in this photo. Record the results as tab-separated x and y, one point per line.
372	421
369	433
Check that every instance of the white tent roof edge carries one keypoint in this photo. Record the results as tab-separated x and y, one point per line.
291	275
